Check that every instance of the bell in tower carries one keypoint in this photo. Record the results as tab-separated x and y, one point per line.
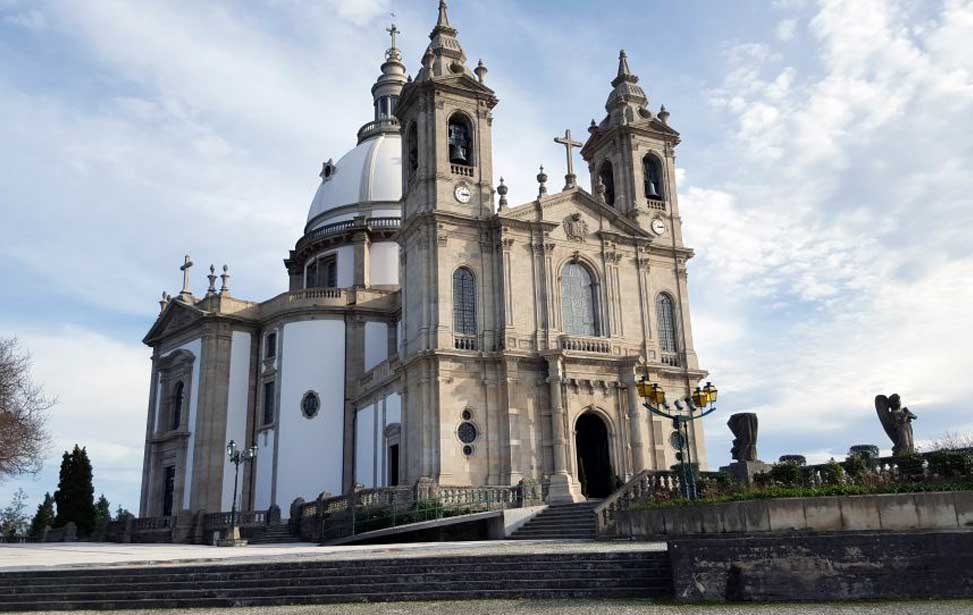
459	143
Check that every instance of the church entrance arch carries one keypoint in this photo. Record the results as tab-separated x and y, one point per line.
593	456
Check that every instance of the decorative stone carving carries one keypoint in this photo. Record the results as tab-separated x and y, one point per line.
575	227
897	422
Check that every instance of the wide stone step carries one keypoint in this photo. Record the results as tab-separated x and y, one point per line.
341	580
392	586
391	565
225	602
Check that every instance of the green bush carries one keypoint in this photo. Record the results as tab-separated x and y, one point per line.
832	473
951	463
787	474
910	467
857	465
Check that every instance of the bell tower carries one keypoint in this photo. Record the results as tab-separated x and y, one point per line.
446	118
631	154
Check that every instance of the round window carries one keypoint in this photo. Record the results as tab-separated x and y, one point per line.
467	450
310	404
467	415
466	432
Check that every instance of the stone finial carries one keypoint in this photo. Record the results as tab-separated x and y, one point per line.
164	301
481	71
427	59
442	21
663	115
542	180
225	281
623	70
593	126
212	281
502	191
393	52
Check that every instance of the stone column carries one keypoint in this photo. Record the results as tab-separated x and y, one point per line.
634	421
361	245
563	487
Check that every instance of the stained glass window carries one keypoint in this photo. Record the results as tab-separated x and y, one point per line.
578	301
665	313
464	302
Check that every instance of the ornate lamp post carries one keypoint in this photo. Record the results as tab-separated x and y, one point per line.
703	399
236	456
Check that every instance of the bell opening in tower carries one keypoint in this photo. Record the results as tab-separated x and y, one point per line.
460	140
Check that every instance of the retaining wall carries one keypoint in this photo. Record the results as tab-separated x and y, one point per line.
842	566
939	510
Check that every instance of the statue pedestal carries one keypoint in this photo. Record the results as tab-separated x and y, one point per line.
744	471
563	490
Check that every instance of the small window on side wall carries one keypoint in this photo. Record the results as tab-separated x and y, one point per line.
268	403
271	346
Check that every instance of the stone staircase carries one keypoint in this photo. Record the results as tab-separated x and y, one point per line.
643	574
565	521
278	533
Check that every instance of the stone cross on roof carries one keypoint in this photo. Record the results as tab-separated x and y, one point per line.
570	178
392	30
186	266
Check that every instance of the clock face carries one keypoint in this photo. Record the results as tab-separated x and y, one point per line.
658	226
463	193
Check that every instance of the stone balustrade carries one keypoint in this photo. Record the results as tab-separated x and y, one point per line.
585	344
461	169
465	342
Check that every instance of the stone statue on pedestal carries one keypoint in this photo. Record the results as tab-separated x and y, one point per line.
897	422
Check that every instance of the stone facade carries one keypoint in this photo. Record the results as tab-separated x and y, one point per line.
446	337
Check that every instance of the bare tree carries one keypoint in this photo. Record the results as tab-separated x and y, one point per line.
952	441
23	413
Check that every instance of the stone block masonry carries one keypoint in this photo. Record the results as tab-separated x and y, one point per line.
839	566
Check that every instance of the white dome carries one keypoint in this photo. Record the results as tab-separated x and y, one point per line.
371	172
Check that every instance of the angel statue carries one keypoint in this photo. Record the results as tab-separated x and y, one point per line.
897	422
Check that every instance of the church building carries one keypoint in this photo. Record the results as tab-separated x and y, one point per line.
433	330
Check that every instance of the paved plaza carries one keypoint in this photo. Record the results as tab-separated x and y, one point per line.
86	554
584	607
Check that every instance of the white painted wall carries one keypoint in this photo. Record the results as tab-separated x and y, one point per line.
236	408
365	427
376	343
384	262
196	348
263	487
371	452
309	452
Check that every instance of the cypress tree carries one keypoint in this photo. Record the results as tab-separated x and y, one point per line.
102	511
44	516
75	495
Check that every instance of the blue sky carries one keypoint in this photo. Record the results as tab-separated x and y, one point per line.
824	184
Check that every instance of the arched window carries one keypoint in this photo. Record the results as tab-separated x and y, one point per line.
578	301
178	393
460	140
665	313
652	174
412	145
607	176
464	302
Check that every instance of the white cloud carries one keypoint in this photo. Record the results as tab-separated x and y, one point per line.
785	29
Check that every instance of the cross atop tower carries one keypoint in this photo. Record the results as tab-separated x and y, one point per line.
392	30
570	180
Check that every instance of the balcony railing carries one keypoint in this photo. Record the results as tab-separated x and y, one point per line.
585	344
346	226
461	169
378	126
671	359
656	204
465	342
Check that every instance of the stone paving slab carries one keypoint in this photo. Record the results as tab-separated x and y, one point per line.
578	607
47	556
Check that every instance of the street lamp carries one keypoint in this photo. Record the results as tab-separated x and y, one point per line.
237	456
702	399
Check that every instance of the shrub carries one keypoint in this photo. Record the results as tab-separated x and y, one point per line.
787	474
911	467
832	473
857	465
950	463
